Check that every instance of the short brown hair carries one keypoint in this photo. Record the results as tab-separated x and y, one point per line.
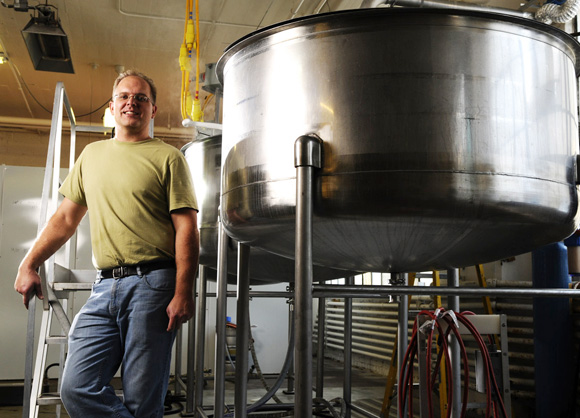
135	73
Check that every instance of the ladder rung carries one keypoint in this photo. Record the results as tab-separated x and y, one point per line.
56	339
60	286
53	398
49	398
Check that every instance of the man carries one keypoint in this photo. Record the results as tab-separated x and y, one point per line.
145	243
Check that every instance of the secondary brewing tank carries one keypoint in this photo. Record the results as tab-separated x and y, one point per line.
204	159
449	137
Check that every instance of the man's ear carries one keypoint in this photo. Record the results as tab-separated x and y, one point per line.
154	112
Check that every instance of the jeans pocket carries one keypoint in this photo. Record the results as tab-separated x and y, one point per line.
161	280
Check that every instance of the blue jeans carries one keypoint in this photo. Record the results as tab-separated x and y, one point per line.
124	323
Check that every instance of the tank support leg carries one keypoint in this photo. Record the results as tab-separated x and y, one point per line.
199	345
220	338
242	331
320	349
347	385
307	157
401	279
453	302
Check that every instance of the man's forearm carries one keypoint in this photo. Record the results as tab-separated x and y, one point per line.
61	226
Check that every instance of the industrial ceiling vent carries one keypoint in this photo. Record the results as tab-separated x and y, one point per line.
46	41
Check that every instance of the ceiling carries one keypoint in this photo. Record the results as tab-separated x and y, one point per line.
143	34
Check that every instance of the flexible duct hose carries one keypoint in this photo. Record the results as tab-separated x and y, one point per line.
551	12
281	376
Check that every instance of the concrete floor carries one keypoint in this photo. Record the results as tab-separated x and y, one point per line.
367	392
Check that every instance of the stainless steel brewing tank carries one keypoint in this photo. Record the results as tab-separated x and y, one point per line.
449	137
204	159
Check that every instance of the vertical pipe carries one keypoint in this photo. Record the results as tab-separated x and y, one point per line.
453	303
178	363
320	350
290	389
200	348
190	365
307	156
554	373
220	336
401	279
242	331
347	384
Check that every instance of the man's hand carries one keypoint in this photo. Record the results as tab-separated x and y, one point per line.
179	311
28	285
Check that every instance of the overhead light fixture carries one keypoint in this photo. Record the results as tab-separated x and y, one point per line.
46	41
3	58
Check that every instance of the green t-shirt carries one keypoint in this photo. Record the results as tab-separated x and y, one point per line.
130	189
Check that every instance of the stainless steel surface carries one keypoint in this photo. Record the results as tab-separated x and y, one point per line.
199	344
242	332
320	341
348	326
449	136
204	159
446	4
304	275
453	302
402	333
220	326
335	291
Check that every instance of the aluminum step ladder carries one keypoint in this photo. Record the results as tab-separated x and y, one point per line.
59	282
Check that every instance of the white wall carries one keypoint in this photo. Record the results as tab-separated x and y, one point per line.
269	321
20	194
20	191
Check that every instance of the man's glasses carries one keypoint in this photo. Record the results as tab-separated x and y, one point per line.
141	98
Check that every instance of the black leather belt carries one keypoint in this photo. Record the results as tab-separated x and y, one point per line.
124	271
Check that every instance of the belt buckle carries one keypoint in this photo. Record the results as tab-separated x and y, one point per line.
119	272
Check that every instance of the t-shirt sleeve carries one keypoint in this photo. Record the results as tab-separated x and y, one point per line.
72	187
181	192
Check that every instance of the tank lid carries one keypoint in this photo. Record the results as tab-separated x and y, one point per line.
340	17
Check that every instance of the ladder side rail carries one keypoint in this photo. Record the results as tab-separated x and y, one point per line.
39	365
63	310
29	360
29	357
56	142
71	244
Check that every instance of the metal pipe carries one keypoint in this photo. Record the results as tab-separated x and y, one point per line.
307	156
257	294
453	303
347	385
458	5
199	344
320	351
178	363
363	304
242	331
363	312
401	279
358	291
366	318
220	336
291	333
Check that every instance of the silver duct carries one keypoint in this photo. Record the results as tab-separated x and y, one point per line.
556	13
